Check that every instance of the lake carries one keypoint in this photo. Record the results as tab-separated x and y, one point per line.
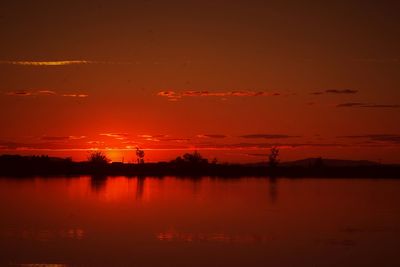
122	221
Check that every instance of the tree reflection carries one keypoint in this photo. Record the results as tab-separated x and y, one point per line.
98	182
273	189
140	186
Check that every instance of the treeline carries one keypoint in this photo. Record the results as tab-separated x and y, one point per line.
190	164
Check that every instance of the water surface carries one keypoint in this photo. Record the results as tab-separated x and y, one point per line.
122	221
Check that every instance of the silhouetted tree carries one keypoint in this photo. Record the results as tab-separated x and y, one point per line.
273	160
139	156
194	158
191	158
98	158
178	160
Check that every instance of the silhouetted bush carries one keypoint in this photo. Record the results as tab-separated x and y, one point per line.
98	158
194	158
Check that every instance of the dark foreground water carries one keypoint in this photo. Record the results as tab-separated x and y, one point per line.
203	222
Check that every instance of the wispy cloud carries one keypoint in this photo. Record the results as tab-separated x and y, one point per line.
366	105
30	93
48	63
56	63
336	91
43	93
162	138
46	92
76	95
389	138
152	136
62	143
381	106
62	138
19	93
177	140
230	93
119	136
256	146
174	96
54	138
350	104
219	136
267	136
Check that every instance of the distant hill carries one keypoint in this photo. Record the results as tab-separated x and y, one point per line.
310	162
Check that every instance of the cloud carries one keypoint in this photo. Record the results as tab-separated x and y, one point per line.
43	93
175	96
341	91
167	94
389	138
119	136
54	138
350	104
55	63
336	91
152	136
263	146
74	137
178	140
48	63
211	136
381	106
31	93
266	136
76	95
61	143
95	142
366	105
226	94
19	93
44	144
157	137
170	95
62	138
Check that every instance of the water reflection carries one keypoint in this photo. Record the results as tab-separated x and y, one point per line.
273	189
172	235
98	182
140	186
44	235
120	221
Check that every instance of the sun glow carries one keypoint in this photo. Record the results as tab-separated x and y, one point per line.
116	155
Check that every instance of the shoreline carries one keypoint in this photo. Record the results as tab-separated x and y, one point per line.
28	166
212	170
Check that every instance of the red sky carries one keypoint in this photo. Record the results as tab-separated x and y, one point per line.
228	78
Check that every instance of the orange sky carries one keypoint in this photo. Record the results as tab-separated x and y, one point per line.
228	78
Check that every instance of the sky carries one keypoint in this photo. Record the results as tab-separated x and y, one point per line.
230	79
